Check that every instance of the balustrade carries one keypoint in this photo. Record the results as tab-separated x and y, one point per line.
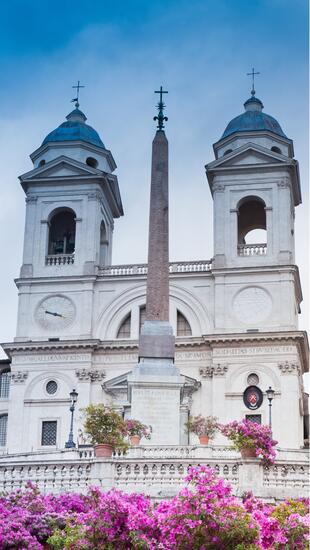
156	470
141	269
286	475
59	259
252	249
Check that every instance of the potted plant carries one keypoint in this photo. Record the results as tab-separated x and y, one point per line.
136	430
251	439
106	429
203	426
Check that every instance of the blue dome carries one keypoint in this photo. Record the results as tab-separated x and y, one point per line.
253	119
74	129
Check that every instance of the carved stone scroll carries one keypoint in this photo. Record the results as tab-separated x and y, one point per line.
92	375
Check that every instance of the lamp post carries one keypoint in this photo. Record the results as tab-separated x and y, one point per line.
70	443
270	395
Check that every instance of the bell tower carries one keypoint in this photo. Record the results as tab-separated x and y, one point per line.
72	198
254	182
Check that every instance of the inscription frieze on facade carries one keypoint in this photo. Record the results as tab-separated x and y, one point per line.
213	370
116	358
258	350
19	377
52	358
192	355
288	367
92	375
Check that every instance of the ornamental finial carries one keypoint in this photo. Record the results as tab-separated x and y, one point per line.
252	74
76	99
160	106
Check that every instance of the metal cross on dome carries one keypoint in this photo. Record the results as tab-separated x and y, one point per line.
76	99
160	117
252	74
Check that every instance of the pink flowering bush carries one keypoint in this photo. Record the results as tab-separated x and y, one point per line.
203	516
135	427
202	425
252	435
206	516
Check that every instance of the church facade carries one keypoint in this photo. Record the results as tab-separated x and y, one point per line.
235	316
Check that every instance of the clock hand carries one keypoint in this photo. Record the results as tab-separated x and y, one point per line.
53	313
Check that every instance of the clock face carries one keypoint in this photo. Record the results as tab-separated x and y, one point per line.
252	305
55	312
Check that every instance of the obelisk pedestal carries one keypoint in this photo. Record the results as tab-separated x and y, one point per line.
155	383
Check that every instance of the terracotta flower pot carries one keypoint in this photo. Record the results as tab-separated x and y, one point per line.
104	450
248	452
203	439
134	440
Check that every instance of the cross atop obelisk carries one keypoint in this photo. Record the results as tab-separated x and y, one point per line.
160	106
155	383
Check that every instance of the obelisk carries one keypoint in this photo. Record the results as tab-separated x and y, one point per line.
155	383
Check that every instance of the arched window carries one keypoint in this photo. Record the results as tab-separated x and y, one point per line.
276	150
92	162
252	222
142	316
227	152
125	327
183	326
3	429
62	232
104	245
4	384
42	162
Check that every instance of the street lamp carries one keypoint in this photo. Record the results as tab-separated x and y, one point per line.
270	395
70	443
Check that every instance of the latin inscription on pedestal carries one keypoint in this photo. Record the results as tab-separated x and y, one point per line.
159	408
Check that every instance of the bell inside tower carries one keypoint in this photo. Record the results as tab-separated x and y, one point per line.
62	233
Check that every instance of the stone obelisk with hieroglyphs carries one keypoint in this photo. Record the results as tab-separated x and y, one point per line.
155	383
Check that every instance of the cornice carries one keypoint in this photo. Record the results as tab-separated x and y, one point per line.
174	275
275	336
207	341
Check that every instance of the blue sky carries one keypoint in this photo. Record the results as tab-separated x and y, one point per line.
122	51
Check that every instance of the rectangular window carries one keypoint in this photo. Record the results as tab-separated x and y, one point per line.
3	429
4	384
254	418
49	432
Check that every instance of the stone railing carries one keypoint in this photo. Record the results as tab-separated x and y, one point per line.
160	478
252	249
141	269
59	259
286	475
155	470
55	477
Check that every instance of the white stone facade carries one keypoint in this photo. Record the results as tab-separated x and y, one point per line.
242	306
